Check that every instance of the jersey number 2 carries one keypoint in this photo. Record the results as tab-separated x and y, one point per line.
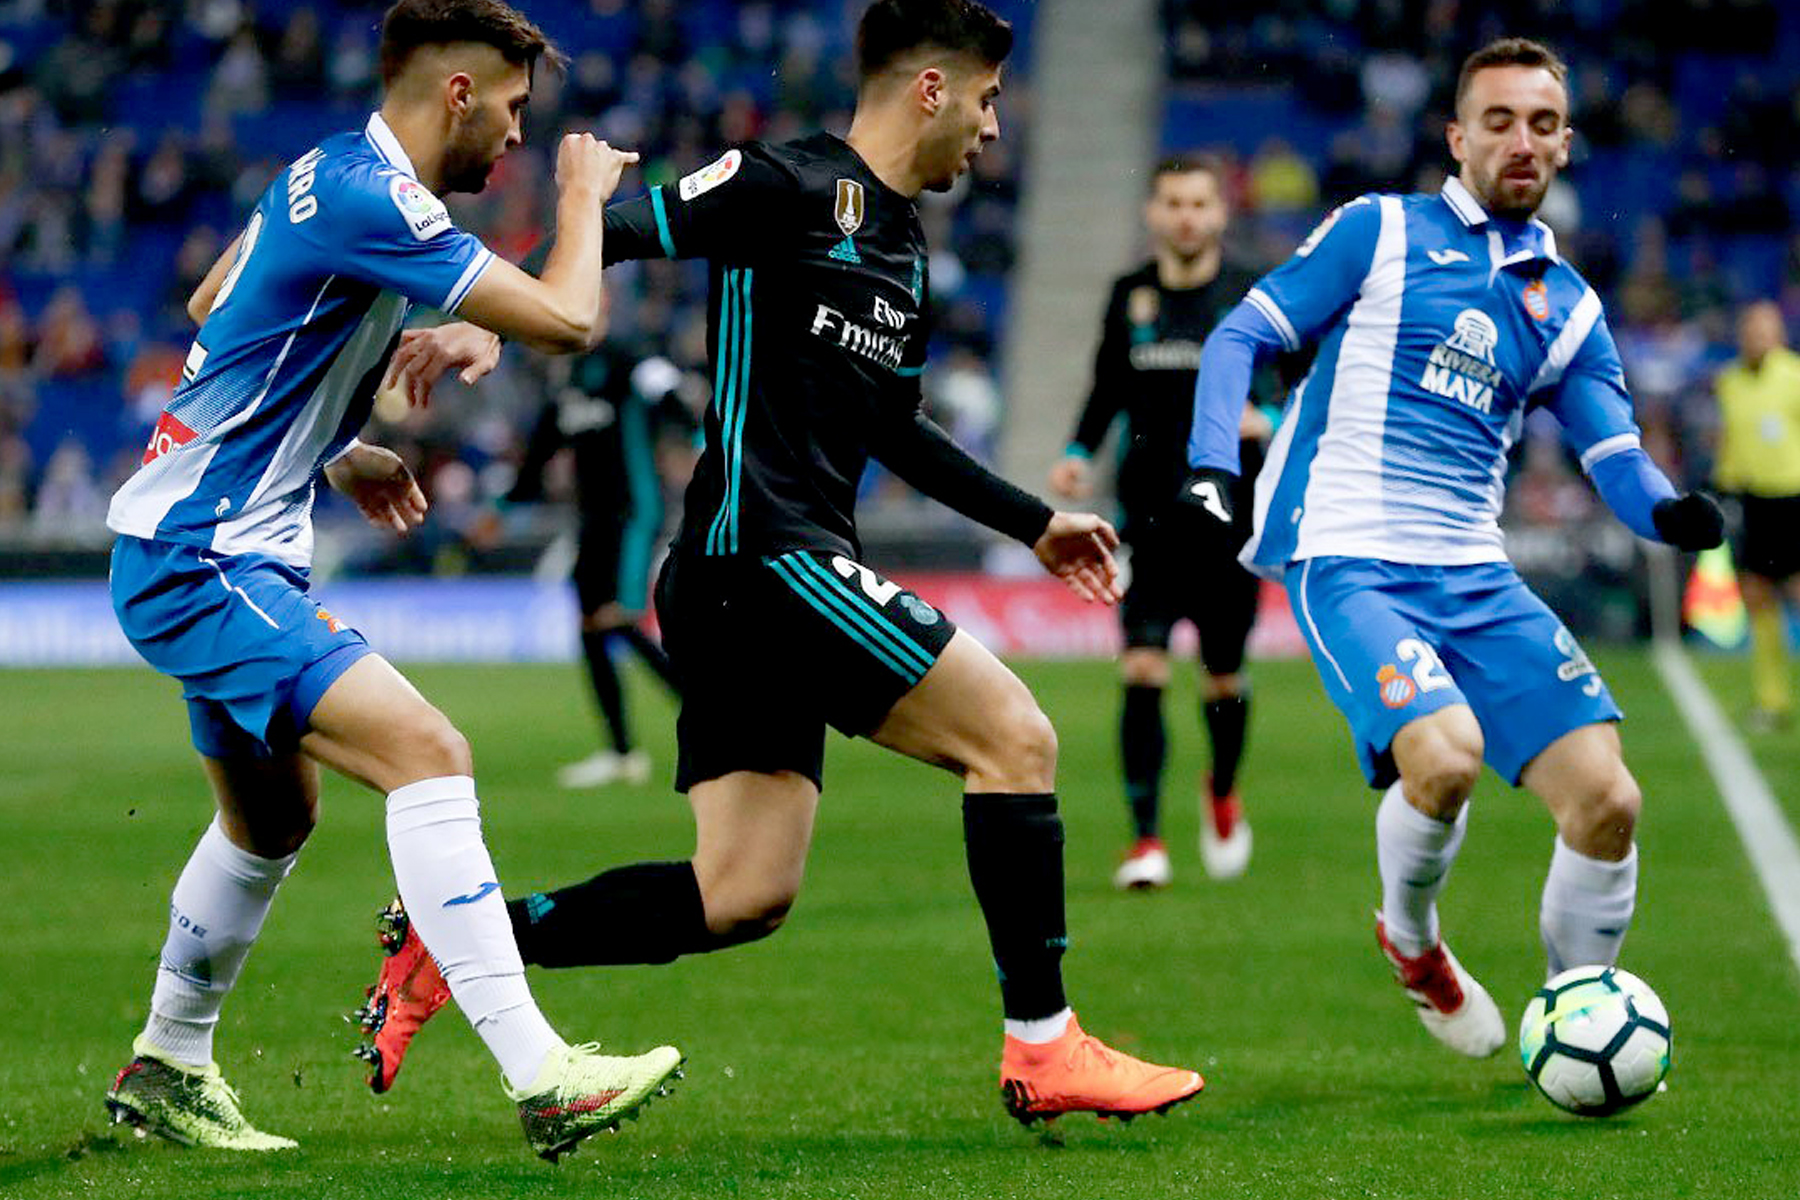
1428	668
874	586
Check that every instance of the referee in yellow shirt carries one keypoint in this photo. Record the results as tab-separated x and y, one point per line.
1759	464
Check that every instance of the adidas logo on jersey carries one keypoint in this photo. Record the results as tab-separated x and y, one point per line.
845	252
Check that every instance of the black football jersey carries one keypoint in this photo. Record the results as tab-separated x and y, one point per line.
816	330
1144	370
612	408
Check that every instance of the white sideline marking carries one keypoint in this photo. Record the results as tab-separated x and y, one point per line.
1764	829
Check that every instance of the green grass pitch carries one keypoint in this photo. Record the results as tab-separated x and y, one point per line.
854	1054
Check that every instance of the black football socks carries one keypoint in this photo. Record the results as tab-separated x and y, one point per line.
605	678
1227	720
1015	849
643	913
1143	747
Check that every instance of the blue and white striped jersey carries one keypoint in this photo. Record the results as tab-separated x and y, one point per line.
1438	327
283	371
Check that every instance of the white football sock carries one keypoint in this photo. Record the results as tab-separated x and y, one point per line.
452	896
1041	1030
214	916
1414	852
1587	907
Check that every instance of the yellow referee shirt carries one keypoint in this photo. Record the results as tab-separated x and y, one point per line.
1759	426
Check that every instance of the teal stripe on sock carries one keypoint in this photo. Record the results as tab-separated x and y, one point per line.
805	590
865	607
662	221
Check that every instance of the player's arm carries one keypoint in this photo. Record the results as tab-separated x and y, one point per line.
1288	307
1075	547
558	311
1071	477
1586	392
200	303
728	210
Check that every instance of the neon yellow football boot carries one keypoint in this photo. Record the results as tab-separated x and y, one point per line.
579	1091
195	1107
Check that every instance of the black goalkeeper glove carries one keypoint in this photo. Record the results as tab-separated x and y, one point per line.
1209	490
1690	522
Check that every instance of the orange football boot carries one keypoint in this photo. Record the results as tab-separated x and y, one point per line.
1081	1073
408	992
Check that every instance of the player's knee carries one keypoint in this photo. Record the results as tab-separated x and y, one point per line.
1144	668
1027	747
1441	774
434	747
1604	821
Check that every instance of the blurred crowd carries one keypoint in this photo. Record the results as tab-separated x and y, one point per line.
135	135
1678	205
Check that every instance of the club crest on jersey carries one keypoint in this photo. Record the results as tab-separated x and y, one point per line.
1461	367
1537	300
425	214
1397	690
710	176
1142	305
849	206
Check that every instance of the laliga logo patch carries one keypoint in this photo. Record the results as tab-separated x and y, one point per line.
425	214
849	207
710	176
331	622
1537	300
1397	691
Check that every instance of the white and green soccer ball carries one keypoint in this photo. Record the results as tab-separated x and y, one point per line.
1595	1040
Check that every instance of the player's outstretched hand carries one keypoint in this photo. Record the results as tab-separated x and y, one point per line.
584	161
1077	549
1690	522
381	486
1071	479
425	354
1208	489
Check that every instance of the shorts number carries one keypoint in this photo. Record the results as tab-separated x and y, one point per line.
1428	668
874	586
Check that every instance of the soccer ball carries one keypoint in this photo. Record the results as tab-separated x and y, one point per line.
1595	1040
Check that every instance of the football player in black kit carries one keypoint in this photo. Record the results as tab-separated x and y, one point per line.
775	627
613	409
1183	567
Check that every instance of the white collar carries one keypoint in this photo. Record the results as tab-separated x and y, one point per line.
1469	211
387	145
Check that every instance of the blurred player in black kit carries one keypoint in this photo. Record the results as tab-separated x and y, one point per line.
616	410
1182	567
819	334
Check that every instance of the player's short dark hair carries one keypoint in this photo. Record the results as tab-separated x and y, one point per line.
413	24
891	28
1511	52
1187	162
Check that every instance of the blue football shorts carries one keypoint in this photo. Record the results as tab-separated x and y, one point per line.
253	650
1394	641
